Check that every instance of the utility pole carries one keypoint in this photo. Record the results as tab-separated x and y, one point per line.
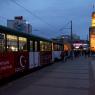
71	36
71	32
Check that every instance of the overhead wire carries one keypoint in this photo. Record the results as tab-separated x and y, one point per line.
33	14
64	27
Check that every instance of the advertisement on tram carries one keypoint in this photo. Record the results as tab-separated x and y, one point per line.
45	57
6	65
21	61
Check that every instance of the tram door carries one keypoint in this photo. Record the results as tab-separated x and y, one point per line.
33	55
36	55
56	51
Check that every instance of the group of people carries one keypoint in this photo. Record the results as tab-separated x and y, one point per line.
75	53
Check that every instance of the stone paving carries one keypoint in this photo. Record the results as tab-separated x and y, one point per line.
69	78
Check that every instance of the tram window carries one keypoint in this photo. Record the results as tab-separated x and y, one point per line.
12	43
42	46
45	46
49	46
55	47
31	45
36	46
52	46
22	44
59	47
2	42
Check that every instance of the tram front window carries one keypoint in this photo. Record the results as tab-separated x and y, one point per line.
55	47
2	42
22	44
12	43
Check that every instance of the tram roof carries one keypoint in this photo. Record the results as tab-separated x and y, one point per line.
60	43
10	31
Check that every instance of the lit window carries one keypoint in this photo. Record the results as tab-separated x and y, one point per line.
12	43
22	44
2	42
45	46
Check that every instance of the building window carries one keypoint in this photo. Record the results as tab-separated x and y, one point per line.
12	43
2	42
22	44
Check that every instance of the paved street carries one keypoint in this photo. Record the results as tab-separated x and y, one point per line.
73	77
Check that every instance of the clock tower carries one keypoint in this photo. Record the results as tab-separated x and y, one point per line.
92	32
93	19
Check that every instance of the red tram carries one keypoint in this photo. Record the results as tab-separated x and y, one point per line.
20	51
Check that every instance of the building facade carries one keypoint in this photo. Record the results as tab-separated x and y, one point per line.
19	24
